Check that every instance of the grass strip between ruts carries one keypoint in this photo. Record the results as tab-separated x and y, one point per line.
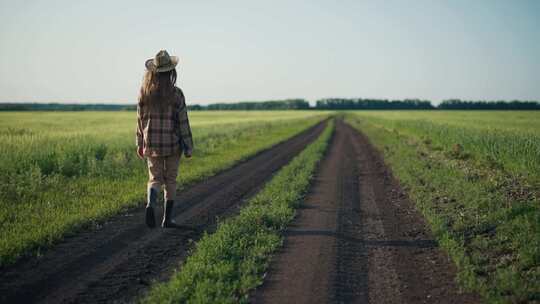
225	265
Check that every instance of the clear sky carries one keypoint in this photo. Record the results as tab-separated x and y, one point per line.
94	51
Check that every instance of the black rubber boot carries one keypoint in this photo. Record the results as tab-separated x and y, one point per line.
150	217
167	221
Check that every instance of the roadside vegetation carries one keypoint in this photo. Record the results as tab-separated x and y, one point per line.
61	172
476	178
226	265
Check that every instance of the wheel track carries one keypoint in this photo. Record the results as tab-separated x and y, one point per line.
117	262
350	279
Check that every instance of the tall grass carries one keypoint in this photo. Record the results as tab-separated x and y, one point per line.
508	140
521	121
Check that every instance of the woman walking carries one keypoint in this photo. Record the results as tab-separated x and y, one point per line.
163	132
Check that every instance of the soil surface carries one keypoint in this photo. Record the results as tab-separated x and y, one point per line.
358	239
118	261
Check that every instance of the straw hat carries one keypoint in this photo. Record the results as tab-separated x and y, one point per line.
162	62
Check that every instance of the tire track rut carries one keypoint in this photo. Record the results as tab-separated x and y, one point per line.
118	261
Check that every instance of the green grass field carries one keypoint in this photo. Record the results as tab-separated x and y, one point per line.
509	140
62	171
476	178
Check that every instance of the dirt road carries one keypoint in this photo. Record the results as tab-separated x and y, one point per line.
358	239
116	262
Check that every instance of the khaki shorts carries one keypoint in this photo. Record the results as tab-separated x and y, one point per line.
162	171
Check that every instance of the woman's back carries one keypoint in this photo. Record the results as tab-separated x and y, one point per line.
163	132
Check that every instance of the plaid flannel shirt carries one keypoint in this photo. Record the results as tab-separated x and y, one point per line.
164	133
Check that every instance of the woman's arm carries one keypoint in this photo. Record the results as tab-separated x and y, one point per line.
140	136
185	129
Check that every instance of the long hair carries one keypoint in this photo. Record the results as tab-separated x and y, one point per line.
157	89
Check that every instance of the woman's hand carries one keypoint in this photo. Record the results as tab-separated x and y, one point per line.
187	153
140	152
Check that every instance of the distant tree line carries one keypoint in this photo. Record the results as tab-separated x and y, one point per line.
457	104
64	107
288	104
416	104
372	104
299	104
